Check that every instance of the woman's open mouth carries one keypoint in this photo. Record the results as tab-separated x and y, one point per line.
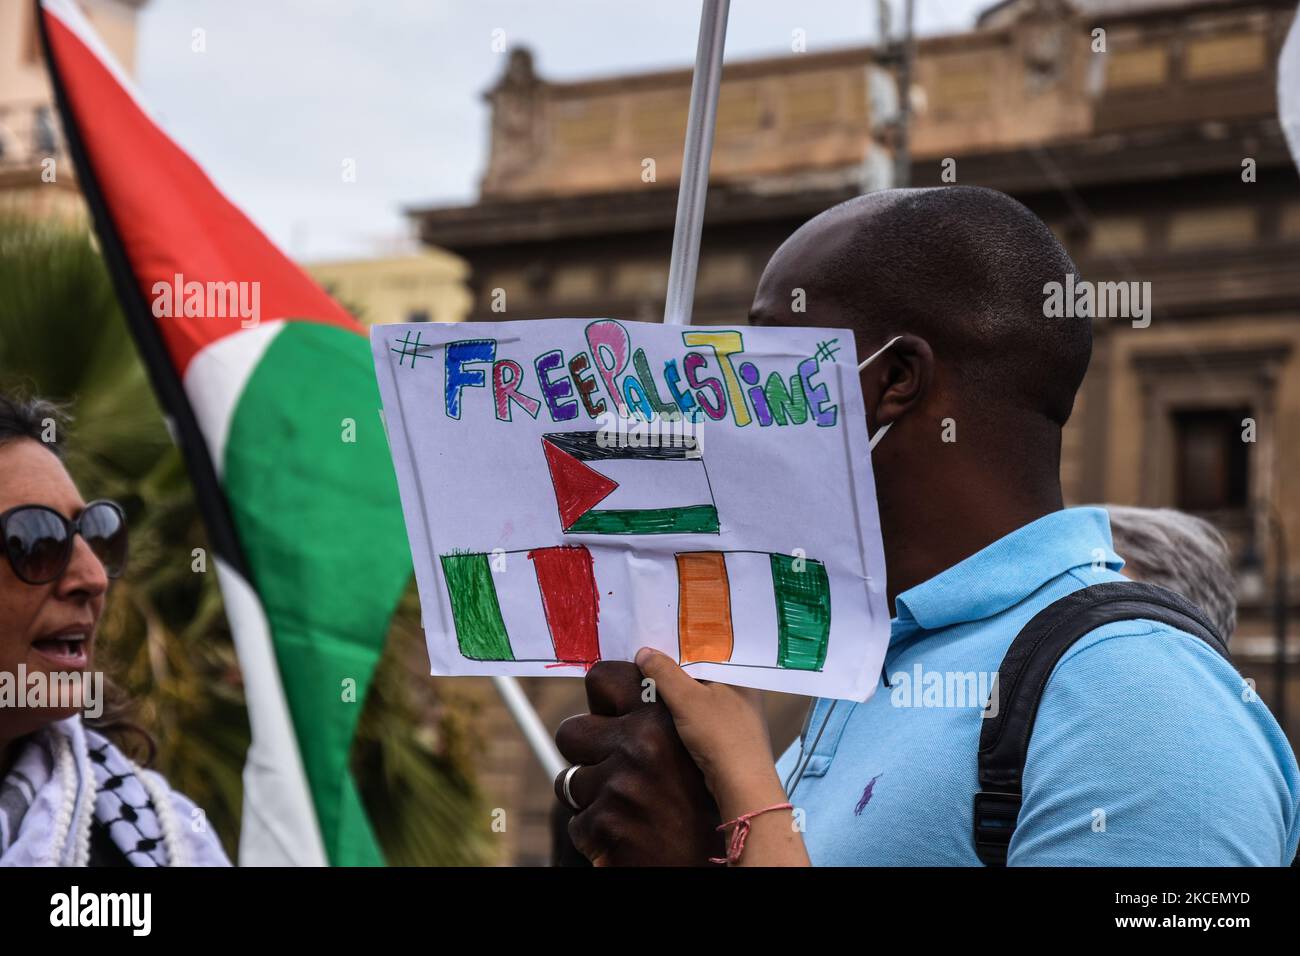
69	651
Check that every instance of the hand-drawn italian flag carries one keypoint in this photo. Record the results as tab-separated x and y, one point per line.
496	598
310	547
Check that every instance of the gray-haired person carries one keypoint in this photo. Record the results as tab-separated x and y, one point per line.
1180	552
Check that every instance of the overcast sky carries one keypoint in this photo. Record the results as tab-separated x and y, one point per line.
286	89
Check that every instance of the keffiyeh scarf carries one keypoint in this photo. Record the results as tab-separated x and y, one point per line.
68	779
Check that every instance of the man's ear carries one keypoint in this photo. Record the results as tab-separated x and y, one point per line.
898	380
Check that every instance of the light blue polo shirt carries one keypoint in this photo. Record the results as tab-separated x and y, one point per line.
1148	750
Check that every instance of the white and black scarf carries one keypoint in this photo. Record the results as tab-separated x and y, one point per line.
71	793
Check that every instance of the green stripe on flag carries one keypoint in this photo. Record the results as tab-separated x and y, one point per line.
480	629
320	523
696	519
803	611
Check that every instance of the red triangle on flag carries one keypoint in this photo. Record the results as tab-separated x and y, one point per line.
578	487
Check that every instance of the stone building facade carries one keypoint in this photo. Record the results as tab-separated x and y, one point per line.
37	178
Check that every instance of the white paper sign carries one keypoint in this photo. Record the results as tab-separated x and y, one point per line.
575	490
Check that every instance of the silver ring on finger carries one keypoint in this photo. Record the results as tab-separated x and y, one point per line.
568	793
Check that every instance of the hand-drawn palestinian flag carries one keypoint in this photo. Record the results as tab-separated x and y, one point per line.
671	476
310	547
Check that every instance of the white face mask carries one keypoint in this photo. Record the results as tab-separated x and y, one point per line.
880	432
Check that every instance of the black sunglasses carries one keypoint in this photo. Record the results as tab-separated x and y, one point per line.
38	540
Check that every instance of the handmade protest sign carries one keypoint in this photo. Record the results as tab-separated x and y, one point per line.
575	490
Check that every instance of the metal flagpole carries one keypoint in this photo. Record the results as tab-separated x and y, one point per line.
694	186
534	731
681	284
903	139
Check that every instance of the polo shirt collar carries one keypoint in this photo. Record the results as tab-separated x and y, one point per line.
1008	570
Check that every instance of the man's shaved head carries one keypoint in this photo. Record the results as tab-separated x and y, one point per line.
962	268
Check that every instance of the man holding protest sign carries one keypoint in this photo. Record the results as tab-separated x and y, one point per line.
1147	747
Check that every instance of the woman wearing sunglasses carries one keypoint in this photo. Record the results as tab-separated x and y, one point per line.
68	796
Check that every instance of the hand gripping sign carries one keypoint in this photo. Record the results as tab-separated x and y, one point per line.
575	490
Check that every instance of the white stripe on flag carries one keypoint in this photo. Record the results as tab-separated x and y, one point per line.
279	826
520	599
753	609
644	484
215	382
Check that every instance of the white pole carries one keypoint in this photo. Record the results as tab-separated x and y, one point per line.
681	284
534	731
694	187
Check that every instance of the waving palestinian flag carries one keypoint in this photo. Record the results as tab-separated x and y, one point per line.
271	394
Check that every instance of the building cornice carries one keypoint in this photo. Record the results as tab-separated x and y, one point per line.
1134	157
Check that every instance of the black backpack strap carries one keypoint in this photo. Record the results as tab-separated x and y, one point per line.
1026	667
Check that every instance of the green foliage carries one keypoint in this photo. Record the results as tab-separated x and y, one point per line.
164	638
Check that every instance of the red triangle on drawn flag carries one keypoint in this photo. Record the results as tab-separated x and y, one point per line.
578	487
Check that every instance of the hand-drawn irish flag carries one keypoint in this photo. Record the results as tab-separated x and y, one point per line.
275	413
785	611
